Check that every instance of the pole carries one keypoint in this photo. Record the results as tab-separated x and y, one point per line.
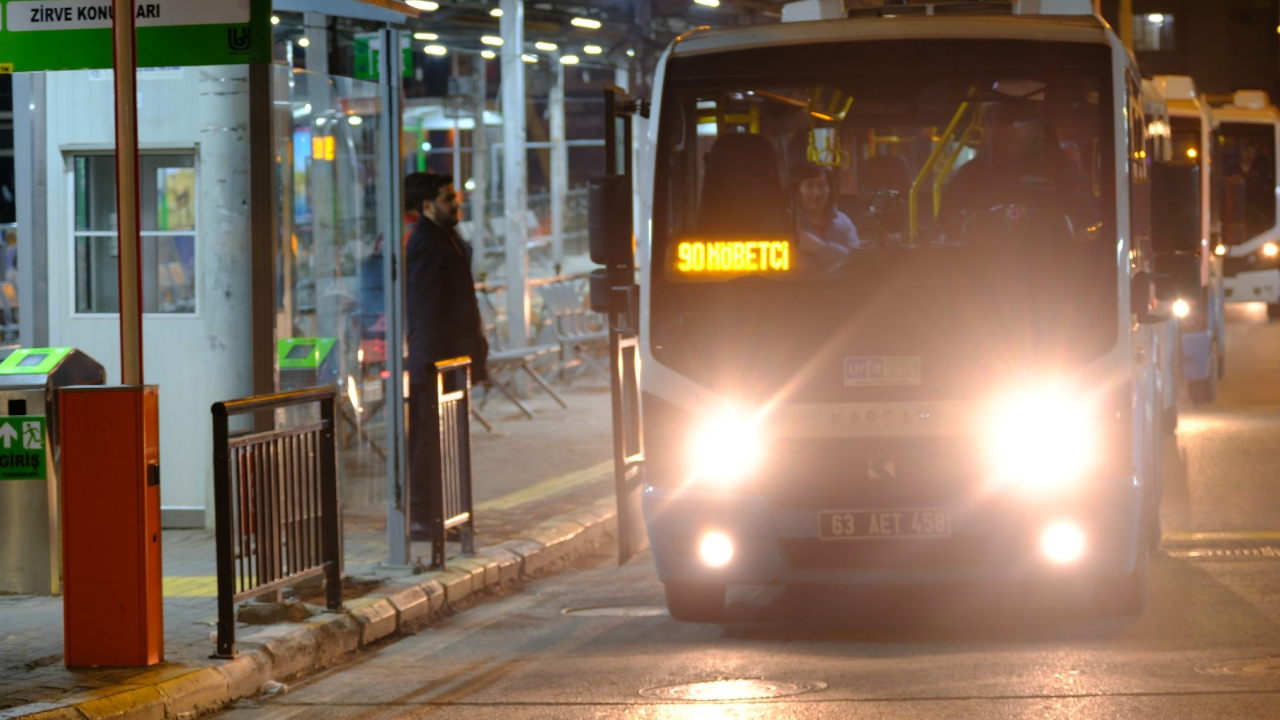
1126	23
454	101
479	168
515	191
125	64
559	166
390	217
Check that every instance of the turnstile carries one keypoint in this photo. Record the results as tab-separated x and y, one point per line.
30	532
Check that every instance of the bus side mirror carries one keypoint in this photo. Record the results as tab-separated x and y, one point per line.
1233	199
609	220
1233	208
1177	276
1142	297
1175	206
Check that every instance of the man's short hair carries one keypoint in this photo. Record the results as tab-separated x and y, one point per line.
420	187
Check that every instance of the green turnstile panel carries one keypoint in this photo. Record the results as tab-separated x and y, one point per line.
303	353
33	361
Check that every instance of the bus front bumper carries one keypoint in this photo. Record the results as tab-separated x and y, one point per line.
991	540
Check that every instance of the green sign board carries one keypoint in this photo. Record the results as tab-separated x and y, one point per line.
76	34
303	352
368	48
33	361
23	447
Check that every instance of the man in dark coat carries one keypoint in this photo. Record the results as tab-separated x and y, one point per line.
443	321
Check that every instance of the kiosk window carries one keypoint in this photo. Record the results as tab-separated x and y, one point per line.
300	352
168	224
32	360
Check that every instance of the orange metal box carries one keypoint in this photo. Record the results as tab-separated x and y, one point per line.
112	596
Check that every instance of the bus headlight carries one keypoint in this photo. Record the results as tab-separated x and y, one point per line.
1270	250
1040	440
1181	308
726	447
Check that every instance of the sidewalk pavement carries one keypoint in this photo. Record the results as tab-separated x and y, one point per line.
543	491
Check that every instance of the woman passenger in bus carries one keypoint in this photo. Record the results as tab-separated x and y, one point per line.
824	235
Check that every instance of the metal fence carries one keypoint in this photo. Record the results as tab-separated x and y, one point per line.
278	520
451	505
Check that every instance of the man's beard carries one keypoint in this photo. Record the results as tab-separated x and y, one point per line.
445	219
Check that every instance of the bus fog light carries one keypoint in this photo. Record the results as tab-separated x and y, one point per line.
1062	542
715	549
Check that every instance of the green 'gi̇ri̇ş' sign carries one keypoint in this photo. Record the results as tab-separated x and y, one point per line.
76	34
23	451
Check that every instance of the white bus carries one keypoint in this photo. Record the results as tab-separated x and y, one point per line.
1202	312
1247	134
896	305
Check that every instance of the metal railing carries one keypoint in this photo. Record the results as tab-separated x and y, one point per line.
278	520
451	504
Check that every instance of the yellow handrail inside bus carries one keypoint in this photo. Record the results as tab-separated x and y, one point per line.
975	125
913	193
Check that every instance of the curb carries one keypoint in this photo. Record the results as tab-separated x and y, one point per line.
288	652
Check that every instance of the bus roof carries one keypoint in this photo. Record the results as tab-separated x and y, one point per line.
1047	28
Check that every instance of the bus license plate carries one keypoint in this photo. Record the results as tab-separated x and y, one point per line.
860	524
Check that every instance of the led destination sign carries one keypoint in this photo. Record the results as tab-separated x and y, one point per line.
718	258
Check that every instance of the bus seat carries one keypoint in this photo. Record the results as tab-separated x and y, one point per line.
742	190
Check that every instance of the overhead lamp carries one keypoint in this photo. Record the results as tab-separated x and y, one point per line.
569	60
708	3
529	58
546	46
488	54
426	146
493	40
631	53
585	23
425	36
424	5
1153	18
436	50
496	12
304	42
354	120
275	19
592	49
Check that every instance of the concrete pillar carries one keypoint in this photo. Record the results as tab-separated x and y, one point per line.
515	179
479	166
32	201
223	250
559	166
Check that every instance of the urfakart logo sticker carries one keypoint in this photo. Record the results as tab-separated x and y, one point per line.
868	371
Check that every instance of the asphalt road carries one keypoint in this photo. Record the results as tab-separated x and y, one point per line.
595	642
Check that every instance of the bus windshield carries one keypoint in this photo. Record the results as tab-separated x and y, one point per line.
865	197
1247	152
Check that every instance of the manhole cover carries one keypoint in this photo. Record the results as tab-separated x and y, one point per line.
733	689
625	611
1250	666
